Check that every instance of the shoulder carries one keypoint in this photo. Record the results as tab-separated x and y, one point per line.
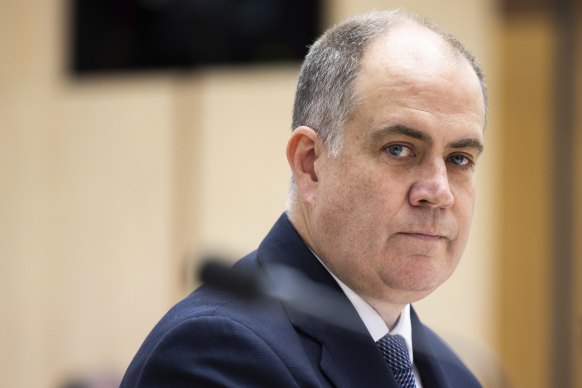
210	339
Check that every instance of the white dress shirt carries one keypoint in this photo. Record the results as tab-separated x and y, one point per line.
376	325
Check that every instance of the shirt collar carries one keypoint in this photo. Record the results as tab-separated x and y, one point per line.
372	320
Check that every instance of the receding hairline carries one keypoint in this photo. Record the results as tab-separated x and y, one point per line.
449	45
440	52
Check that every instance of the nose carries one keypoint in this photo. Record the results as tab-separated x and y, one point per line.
431	188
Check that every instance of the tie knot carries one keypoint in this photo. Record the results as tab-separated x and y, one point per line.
395	351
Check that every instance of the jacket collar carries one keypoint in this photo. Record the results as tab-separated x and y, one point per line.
425	356
349	356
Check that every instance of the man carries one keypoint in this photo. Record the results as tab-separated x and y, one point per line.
389	119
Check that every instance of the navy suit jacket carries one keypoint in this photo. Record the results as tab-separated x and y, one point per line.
211	339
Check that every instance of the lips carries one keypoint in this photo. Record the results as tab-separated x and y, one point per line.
428	236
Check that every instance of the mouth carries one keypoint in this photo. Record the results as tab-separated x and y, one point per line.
425	236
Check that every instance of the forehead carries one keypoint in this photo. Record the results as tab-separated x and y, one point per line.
414	52
411	72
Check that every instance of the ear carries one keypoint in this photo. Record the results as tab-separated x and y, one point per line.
303	150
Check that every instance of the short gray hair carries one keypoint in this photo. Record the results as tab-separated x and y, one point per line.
325	97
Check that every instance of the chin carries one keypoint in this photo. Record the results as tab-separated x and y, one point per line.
411	293
416	284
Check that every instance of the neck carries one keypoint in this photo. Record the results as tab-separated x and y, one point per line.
297	216
388	310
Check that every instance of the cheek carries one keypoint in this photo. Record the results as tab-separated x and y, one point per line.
362	196
463	214
464	190
348	204
360	219
340	206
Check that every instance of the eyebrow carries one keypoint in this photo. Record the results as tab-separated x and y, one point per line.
468	143
399	129
381	133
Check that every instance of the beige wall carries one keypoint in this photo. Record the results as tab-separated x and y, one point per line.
112	187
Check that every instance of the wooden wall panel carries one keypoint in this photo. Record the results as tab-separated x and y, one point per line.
577	310
541	271
525	227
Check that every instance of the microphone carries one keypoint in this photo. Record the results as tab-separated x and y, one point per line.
291	288
216	274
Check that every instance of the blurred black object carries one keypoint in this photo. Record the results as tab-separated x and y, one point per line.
287	285
126	35
216	273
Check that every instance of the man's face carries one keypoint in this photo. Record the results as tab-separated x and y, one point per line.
392	212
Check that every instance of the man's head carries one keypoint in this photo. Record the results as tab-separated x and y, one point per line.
325	97
389	118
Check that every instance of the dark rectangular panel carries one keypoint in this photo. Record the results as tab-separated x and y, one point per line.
114	35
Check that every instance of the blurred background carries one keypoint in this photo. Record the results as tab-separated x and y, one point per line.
125	157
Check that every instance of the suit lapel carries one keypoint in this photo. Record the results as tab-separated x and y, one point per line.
425	357
349	356
351	359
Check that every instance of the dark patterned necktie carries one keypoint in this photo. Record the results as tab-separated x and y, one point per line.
395	352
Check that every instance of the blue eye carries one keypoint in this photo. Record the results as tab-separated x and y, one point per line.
459	160
398	150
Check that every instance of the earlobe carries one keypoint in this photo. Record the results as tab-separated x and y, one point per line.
303	151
